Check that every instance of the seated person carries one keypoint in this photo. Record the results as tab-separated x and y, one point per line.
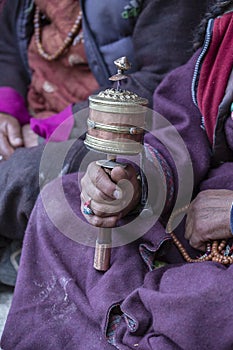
151	297
53	55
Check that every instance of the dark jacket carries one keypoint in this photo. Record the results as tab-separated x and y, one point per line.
156	36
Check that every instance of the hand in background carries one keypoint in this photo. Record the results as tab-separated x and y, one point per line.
110	197
10	135
208	217
30	139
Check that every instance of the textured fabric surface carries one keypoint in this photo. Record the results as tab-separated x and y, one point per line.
67	304
215	72
24	174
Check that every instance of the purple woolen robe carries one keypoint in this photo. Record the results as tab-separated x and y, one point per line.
61	302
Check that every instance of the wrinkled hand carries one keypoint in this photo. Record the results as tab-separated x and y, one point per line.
10	135
208	218
111	197
30	139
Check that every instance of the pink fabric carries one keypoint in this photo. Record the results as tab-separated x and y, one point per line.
55	128
11	102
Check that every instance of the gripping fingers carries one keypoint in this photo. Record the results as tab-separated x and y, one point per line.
6	149
99	221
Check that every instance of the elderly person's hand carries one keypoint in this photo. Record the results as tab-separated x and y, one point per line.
30	138
10	135
208	218
110	196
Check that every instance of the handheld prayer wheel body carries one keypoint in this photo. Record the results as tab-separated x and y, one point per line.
116	122
115	127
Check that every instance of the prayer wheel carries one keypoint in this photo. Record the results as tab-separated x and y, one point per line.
115	126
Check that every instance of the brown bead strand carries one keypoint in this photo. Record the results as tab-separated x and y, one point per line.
215	248
67	42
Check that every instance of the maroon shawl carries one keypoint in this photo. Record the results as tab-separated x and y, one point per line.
215	71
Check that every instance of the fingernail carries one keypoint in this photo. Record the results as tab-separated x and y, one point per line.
117	194
18	140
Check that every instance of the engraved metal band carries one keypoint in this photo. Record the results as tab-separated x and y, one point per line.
132	130
113	147
117	107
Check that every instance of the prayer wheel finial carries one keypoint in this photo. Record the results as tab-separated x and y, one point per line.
122	65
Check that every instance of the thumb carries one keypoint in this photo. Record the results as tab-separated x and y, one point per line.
14	134
118	173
